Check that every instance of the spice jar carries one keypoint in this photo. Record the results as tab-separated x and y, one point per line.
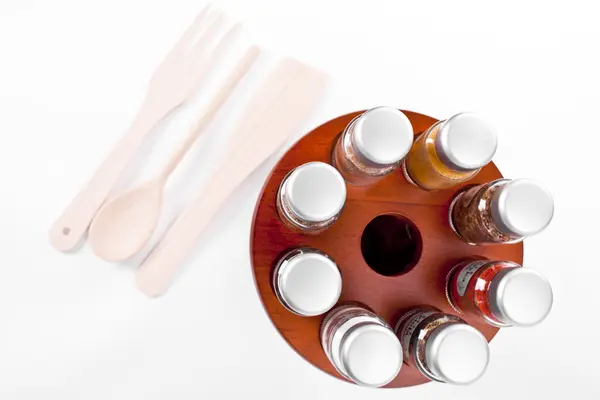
307	282
360	345
502	211
311	197
442	347
373	145
500	292
450	152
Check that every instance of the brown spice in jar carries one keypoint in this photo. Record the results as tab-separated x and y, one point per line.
424	332
471	216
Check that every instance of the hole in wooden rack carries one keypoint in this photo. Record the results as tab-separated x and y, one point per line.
391	244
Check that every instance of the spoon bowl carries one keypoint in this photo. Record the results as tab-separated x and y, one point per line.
125	224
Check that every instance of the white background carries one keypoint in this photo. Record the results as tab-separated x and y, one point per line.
72	74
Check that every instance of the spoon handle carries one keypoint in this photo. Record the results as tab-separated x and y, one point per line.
71	226
208	114
294	103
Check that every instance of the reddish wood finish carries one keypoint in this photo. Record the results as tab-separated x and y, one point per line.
387	296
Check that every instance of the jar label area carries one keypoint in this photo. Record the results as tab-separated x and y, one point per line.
409	328
465	275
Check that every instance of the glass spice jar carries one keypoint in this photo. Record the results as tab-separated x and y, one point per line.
441	346
502	293
311	197
307	282
501	211
450	152
360	345
373	145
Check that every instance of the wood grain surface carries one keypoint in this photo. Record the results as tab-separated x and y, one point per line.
386	295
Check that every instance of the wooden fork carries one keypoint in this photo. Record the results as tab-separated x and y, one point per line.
173	82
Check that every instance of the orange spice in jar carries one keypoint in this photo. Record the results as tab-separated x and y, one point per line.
450	152
373	145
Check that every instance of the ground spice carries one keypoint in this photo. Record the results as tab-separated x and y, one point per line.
414	329
482	288
425	333
471	216
468	288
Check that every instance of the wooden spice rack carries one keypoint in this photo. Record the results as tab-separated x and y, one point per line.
437	248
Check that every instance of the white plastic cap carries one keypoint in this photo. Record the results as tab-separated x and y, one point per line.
522	207
383	135
309	283
457	354
466	142
371	355
520	297
316	191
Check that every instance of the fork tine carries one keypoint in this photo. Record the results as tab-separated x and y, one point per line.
206	39
191	32
202	64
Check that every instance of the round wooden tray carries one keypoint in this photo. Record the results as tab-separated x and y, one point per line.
424	283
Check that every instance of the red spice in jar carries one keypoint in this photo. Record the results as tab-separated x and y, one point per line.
502	293
468	288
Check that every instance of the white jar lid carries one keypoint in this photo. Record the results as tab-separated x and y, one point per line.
316	192
522	207
308	283
371	355
457	354
520	296
466	142
383	135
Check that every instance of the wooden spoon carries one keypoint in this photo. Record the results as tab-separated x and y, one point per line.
124	225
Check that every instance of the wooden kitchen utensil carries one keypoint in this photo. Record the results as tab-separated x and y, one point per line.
175	79
278	121
126	223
